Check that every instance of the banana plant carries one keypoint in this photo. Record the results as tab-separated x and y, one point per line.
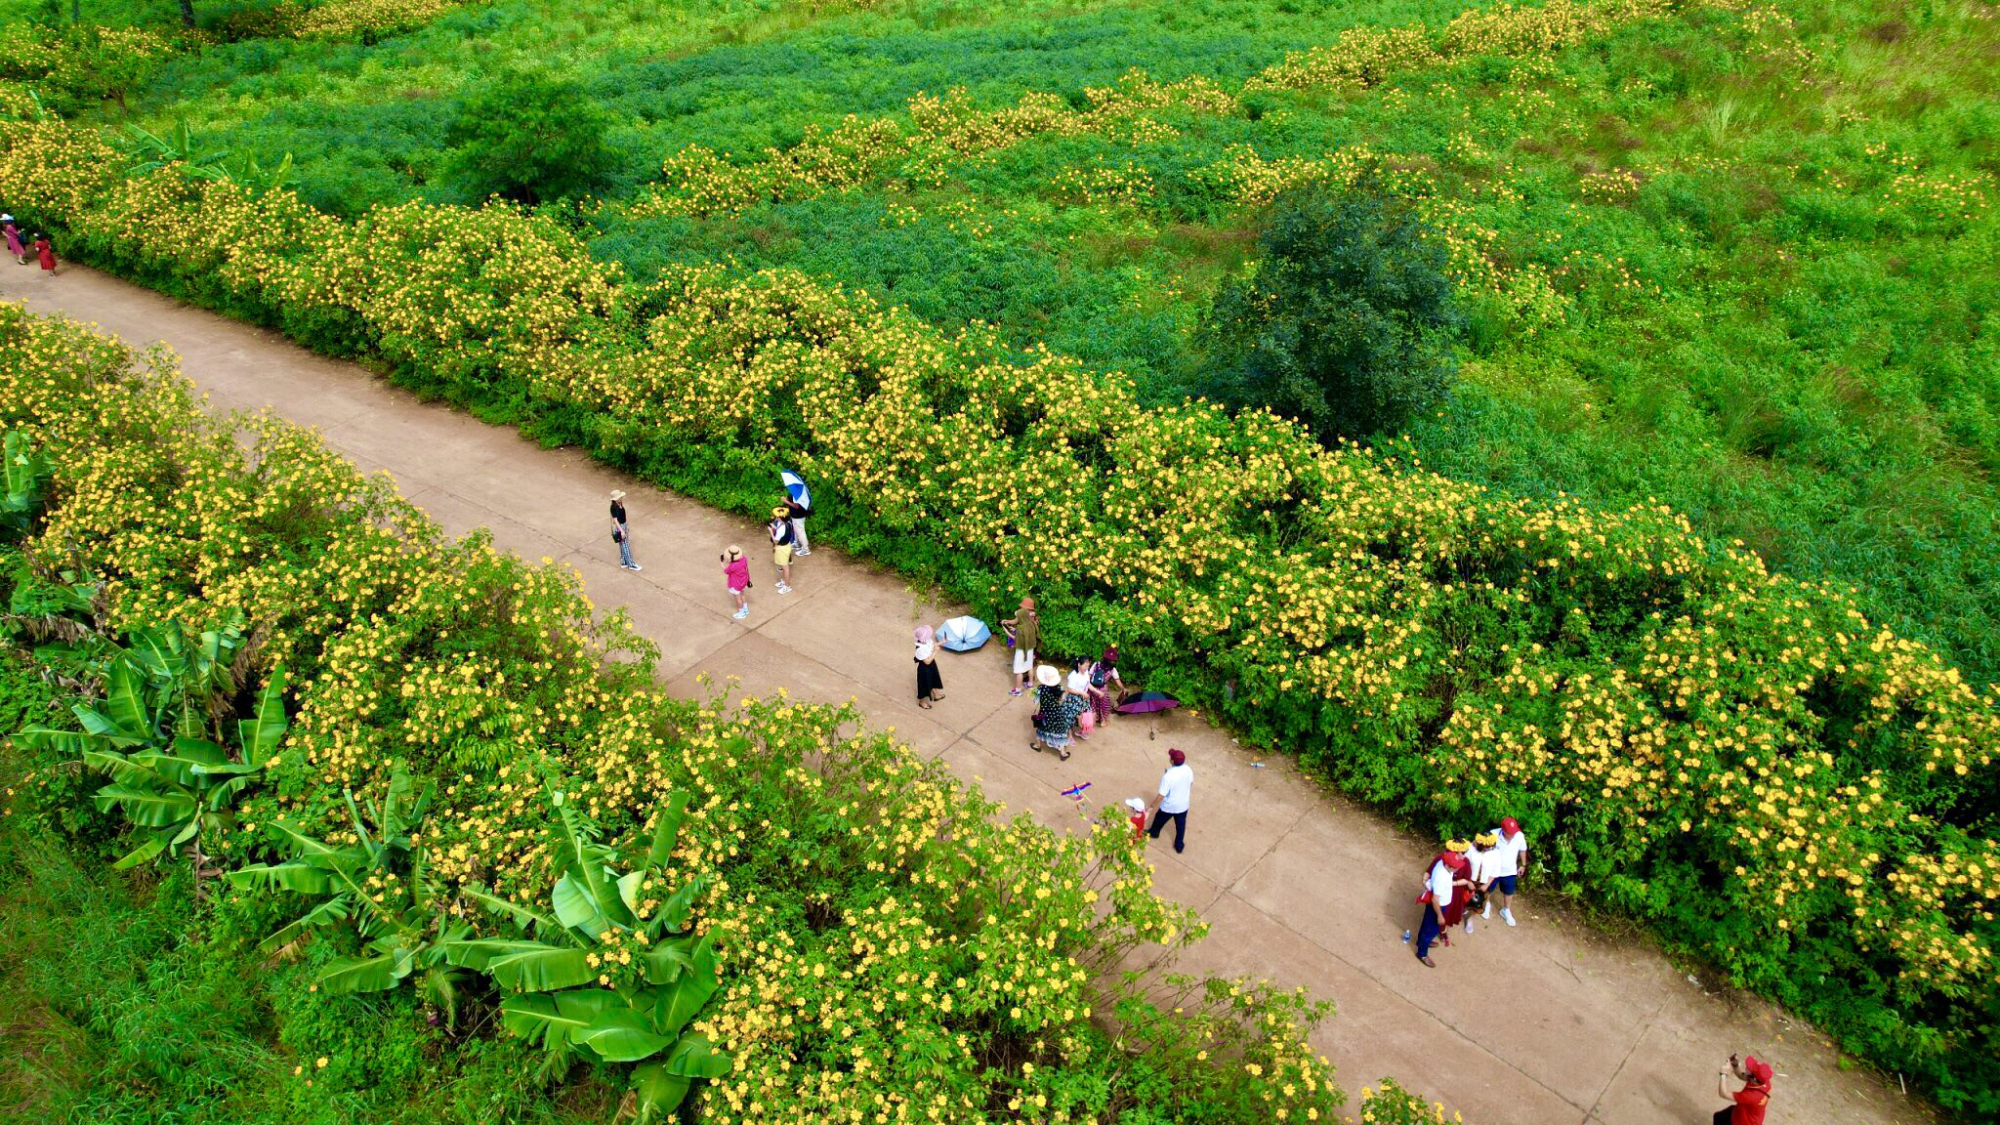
151	152
381	886
549	971
24	481
151	734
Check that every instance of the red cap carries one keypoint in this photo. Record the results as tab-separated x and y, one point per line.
1176	757
1758	1069
1509	825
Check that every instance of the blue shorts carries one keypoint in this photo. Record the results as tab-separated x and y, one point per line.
1503	883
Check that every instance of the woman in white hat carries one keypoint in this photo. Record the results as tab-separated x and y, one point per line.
1056	712
621	532
15	245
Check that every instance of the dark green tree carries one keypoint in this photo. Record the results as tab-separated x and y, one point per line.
1346	321
531	138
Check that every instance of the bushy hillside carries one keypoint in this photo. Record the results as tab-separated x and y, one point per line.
1729	275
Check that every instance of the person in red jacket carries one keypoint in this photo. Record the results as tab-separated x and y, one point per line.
1746	1105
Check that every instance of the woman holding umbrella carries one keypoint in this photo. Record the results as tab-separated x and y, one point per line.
798	505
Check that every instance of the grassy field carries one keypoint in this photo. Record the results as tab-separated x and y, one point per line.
1770	255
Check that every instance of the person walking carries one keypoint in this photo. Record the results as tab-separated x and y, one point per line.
1746	1106
1176	792
45	253
736	572
1025	629
15	245
1441	881
930	685
621	531
1104	674
1502	865
1055	713
796	513
780	529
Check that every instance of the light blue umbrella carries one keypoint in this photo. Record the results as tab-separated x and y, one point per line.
795	487
963	634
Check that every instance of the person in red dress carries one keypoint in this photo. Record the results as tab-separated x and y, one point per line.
1455	857
1746	1105
45	252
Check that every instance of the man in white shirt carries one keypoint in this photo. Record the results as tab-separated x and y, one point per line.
1176	786
1500	867
1440	884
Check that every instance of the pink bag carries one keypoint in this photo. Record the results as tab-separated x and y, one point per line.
1085	723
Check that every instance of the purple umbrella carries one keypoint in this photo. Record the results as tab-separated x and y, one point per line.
1150	704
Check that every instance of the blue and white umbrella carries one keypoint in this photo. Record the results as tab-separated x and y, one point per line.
795	487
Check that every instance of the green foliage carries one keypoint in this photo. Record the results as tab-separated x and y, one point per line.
530	137
740	860
601	921
172	769
24	481
1346	321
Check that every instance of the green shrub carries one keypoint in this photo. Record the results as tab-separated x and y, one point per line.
531	138
1346	321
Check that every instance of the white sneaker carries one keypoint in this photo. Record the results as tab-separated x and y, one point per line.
635	566
803	553
741	613
1468	925
784	589
1508	915
1488	912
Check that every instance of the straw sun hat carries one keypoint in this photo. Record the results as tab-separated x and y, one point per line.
1047	676
618	494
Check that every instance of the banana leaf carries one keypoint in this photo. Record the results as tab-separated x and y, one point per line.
153	846
668	829
294	876
540	923
368	974
553	1021
523	966
148	808
332	910
659	1094
695	1057
620	1035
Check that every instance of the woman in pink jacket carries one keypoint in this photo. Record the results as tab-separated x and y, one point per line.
736	571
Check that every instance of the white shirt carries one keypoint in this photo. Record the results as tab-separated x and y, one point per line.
1440	882
924	652
1175	786
1478	857
1504	858
1078	683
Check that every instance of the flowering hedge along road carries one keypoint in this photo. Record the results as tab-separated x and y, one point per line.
1741	759
886	945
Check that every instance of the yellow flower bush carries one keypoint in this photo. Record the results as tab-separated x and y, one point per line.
890	948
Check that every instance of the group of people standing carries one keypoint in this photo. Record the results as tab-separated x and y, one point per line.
1467	873
1067	706
44	251
787	531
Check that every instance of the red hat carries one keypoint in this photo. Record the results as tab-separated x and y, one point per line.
1759	1069
1509	825
1176	757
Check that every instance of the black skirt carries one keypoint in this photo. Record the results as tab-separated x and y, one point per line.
928	679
